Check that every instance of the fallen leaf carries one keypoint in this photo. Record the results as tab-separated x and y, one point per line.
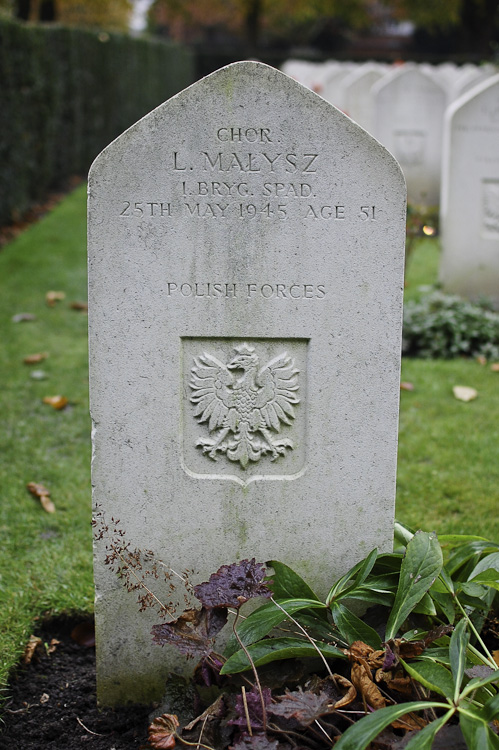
83	306
481	359
232	585
405	386
362	679
44	698
33	643
463	393
162	732
495	656
52	297
43	494
57	402
409	722
23	317
52	646
351	692
34	359
304	706
494	367
193	632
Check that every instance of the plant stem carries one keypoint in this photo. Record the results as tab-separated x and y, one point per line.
307	636
257	679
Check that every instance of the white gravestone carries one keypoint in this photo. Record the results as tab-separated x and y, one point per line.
356	94
409	107
470	195
246	246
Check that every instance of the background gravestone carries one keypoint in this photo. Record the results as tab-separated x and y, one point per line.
470	195
409	107
246	248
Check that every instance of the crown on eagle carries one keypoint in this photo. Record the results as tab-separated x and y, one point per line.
244	349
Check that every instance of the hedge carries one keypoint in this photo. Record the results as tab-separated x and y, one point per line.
65	94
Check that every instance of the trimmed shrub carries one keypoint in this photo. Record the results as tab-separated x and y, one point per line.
65	94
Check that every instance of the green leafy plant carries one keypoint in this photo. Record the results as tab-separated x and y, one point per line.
446	326
396	645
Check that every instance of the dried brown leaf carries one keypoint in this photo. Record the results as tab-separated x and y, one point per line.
495	656
43	494
409	722
494	367
193	632
464	393
82	306
162	732
406	386
350	694
481	360
362	679
38	490
23	317
47	504
52	646
34	359
395	681
56	402
31	646
52	297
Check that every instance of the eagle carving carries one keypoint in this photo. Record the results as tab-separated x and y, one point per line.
243	404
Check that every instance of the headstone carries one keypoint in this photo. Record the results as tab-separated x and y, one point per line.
470	195
246	246
355	93
332	84
409	108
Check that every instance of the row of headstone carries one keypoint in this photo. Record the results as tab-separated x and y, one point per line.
442	125
403	106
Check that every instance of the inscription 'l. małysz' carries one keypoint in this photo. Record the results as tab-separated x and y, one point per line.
243	403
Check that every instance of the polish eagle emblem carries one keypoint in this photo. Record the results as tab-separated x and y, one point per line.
243	404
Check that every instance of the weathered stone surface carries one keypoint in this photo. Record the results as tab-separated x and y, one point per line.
409	107
246	248
470	195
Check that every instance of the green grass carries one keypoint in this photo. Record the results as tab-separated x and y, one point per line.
45	559
448	468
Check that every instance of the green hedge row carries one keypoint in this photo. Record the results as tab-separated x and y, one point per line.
65	94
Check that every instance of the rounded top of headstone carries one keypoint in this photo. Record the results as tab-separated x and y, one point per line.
461	103
248	89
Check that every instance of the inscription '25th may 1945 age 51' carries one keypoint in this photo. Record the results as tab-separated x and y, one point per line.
267	184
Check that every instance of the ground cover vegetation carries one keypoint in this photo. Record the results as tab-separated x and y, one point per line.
414	664
448	473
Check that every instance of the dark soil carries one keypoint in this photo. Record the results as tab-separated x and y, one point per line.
52	704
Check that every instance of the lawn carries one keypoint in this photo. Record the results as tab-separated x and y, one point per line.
448	468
